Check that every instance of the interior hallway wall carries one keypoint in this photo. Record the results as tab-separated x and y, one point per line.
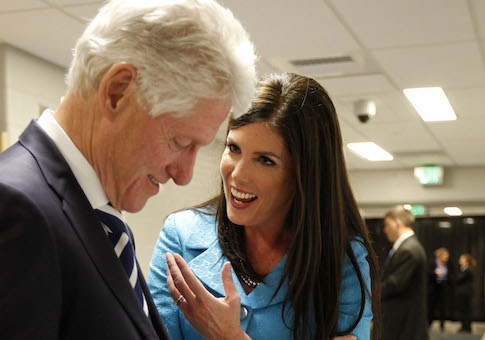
29	85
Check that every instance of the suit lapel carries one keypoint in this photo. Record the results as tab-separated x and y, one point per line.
389	264
84	221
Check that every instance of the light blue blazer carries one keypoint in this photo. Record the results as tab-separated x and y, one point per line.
193	235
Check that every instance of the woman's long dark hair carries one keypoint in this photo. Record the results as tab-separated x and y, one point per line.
324	215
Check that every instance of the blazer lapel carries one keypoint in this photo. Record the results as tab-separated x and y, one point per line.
208	268
84	221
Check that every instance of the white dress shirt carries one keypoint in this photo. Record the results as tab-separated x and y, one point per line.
401	239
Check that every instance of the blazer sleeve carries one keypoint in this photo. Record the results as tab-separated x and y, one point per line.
30	289
350	297
405	264
168	241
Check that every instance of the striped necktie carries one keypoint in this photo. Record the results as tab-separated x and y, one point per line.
389	255
117	232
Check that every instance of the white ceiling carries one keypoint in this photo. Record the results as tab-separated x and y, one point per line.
393	45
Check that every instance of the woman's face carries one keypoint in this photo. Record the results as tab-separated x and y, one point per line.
444	257
462	261
256	169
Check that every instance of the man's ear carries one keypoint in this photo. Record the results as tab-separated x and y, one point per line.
116	87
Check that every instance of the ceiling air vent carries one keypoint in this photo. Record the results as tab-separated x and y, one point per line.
326	67
319	61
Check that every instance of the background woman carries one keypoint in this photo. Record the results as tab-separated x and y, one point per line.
287	221
440	289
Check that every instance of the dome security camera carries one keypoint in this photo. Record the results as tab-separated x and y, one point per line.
364	110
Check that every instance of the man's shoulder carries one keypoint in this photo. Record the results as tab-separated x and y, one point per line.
412	246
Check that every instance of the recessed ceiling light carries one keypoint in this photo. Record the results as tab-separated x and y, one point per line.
431	103
453	211
370	151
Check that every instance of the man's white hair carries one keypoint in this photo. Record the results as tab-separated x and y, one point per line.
183	50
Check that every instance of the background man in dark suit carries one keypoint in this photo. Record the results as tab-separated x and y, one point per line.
464	291
150	82
404	280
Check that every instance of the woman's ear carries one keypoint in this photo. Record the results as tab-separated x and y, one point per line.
116	87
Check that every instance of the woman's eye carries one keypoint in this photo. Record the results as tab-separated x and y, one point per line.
267	161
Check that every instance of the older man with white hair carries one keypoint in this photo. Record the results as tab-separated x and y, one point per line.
149	84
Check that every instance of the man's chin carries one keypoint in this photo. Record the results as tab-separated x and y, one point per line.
134	206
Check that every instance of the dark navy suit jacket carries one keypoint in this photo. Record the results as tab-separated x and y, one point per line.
59	275
403	293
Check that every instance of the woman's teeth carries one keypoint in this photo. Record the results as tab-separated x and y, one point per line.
241	195
154	181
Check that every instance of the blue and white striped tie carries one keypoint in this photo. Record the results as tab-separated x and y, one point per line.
117	232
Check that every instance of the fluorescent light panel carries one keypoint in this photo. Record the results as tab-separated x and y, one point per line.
453	211
431	103
370	151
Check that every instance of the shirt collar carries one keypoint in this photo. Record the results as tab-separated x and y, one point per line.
401	239
82	170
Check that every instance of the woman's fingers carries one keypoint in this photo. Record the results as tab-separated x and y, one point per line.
229	285
175	281
189	278
213	318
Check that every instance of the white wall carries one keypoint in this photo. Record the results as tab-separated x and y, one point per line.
377	190
30	83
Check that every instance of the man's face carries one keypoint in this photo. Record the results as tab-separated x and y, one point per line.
391	229
138	151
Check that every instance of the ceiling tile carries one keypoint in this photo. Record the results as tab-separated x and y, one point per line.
401	137
349	134
467	103
478	13
63	3
472	131
264	67
452	65
467	154
286	29
9	5
365	84
385	24
412	159
84	13
42	41
391	107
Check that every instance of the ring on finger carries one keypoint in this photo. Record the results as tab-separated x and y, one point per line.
178	301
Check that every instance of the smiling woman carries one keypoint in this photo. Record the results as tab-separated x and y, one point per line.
285	219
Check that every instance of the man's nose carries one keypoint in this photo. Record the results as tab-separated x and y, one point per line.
181	170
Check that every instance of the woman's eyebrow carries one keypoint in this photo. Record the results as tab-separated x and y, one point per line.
267	153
